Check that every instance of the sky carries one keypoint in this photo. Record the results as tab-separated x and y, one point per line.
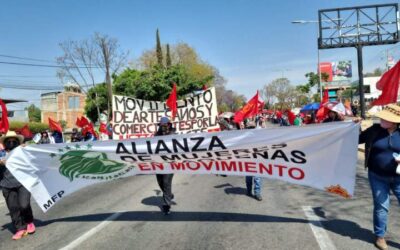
250	42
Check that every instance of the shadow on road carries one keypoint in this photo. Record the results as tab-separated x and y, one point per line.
354	231
342	227
177	216
236	191
229	189
154	201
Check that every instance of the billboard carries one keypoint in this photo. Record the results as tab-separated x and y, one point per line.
337	71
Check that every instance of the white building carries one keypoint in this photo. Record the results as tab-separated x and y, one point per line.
370	90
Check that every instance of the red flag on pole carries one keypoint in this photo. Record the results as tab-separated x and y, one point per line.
322	111
171	102
4	125
55	126
250	109
25	131
389	84
291	117
325	97
78	122
82	122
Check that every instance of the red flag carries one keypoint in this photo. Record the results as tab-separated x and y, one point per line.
322	111
291	117
325	97
250	109
25	131
204	87
82	122
78	122
171	102
55	126
89	128
389	84
103	129
4	125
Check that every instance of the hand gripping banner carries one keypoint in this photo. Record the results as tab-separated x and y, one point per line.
320	156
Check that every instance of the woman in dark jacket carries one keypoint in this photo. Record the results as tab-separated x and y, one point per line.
17	197
165	180
381	142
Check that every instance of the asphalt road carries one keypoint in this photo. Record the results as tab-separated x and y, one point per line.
211	212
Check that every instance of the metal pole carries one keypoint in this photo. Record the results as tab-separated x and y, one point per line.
319	66
320	78
361	80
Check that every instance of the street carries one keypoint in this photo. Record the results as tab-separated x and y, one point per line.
211	212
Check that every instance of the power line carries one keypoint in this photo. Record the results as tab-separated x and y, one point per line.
39	60
26	58
29	76
46	65
25	81
31	87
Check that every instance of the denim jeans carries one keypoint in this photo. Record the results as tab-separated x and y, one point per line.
257	184
380	187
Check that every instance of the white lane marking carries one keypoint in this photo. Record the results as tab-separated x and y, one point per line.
2	203
320	234
91	232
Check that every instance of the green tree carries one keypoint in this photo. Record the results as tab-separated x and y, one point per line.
281	93
156	84
34	113
376	72
158	49
92	102
169	62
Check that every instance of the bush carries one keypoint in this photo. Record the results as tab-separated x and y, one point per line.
34	127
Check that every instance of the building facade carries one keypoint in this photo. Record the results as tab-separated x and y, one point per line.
66	106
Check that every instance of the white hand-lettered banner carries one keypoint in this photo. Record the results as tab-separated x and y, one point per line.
320	156
135	118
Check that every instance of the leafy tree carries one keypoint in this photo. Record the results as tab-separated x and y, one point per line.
185	56
34	113
101	91
158	49
376	72
282	94
231	101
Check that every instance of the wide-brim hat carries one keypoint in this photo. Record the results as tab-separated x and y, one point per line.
12	134
390	113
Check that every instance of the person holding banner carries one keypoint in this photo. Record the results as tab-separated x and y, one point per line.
333	116
17	197
165	180
257	182
382	148
45	138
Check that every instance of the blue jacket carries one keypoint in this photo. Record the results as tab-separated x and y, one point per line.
379	149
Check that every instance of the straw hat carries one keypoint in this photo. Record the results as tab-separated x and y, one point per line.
11	134
390	113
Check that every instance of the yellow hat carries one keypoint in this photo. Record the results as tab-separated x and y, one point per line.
12	134
390	113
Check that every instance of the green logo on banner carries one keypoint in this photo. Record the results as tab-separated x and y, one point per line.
78	162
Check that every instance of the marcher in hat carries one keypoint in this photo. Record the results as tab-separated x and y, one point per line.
17	197
165	180
382	141
333	116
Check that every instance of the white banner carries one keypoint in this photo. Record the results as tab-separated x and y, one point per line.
134	118
320	156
